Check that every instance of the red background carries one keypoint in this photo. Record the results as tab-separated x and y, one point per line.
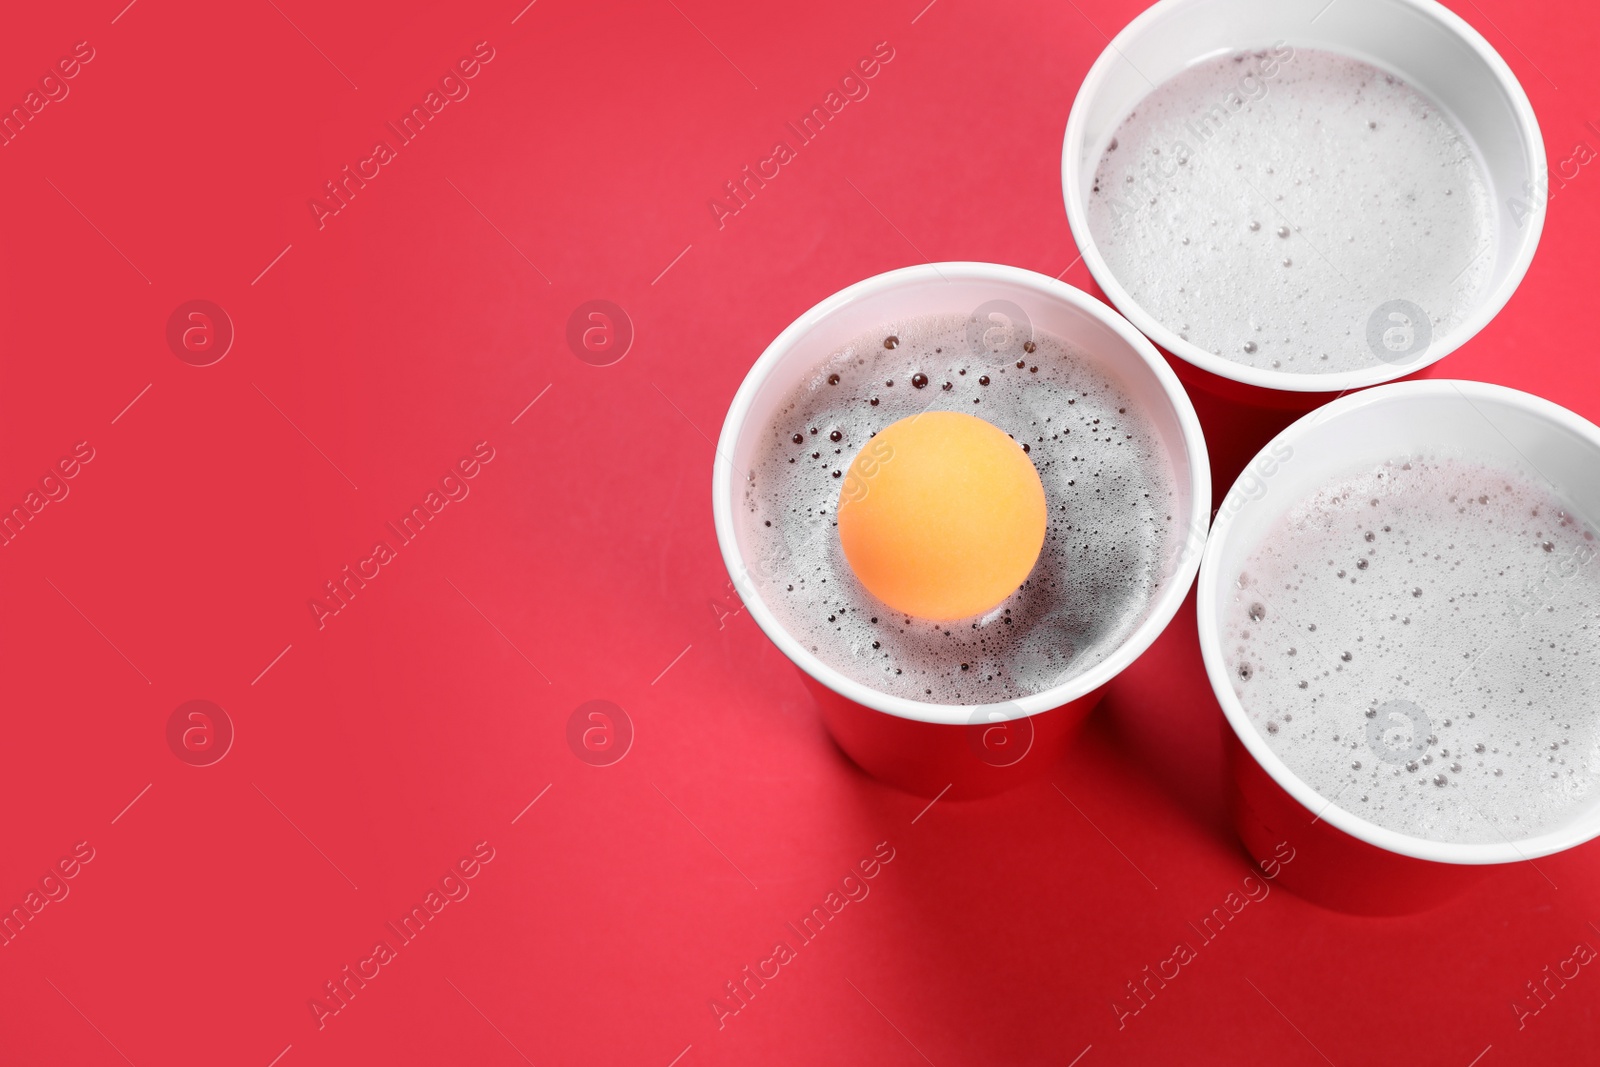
426	715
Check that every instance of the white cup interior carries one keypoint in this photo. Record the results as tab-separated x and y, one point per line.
1418	40
1490	423
960	288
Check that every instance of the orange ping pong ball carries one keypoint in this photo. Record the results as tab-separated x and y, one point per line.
942	515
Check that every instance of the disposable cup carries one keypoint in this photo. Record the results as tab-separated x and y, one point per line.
1420	41
968	750
1343	859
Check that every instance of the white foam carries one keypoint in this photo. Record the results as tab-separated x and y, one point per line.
1313	189
1459	605
1108	486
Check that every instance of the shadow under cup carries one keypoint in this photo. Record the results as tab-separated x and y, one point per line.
1342	860
967	750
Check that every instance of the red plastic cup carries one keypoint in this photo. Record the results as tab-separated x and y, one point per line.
1423	42
965	750
1340	859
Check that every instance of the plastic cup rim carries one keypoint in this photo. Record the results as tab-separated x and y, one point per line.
1164	605
1265	377
1209	629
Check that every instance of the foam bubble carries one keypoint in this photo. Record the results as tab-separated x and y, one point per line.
1418	643
1277	209
1108	485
